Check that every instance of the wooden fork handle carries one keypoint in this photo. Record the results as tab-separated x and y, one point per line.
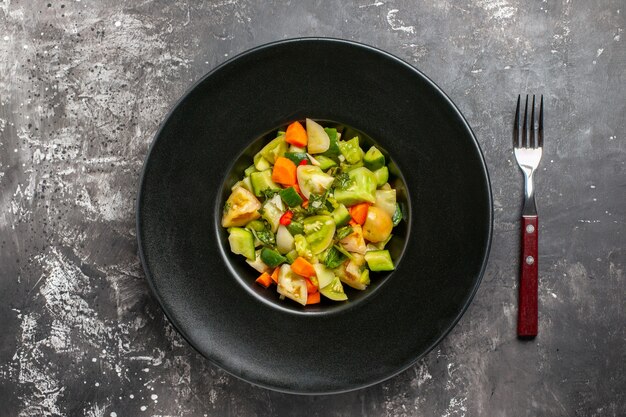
528	310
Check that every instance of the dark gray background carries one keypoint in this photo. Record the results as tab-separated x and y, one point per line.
83	87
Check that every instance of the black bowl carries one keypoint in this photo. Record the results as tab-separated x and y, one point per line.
441	251
246	275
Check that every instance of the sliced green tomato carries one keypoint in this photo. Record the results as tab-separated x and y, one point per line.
334	290
379	260
374	159
341	215
284	240
258	263
296	157
260	163
277	147
291	197
386	201
319	141
291	285
378	225
272	258
351	150
240	208
319	232
362	188
249	170
382	176
241	242
262	181
355	241
333	148
323	274
272	211
312	179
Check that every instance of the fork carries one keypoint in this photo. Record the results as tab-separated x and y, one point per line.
527	148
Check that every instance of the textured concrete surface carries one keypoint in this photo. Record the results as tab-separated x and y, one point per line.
83	87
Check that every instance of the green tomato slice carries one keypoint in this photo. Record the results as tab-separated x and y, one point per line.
312	179
334	290
324	275
319	232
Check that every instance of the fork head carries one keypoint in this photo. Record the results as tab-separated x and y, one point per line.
529	138
527	148
529	144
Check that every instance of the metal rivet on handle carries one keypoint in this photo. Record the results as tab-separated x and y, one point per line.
530	228
530	260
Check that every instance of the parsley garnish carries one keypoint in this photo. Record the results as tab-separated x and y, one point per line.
334	258
269	193
317	203
342	181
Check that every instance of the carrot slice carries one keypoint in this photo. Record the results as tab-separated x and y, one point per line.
310	287
305	203
352	223
275	275
302	267
264	279
358	212
284	171
296	135
313	298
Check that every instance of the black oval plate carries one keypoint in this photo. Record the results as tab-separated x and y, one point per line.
375	337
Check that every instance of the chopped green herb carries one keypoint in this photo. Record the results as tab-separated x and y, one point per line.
317	203
269	193
342	181
334	258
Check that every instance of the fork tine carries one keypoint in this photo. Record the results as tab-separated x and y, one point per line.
516	124
531	139
540	132
525	125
